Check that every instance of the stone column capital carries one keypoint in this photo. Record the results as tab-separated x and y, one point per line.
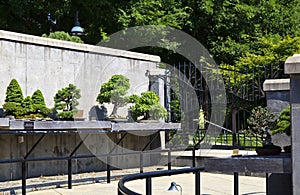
292	65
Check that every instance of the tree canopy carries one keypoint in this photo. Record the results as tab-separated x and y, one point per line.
230	29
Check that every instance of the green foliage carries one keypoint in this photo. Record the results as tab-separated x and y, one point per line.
260	122
60	35
114	91
38	104
66	100
283	123
27	105
147	106
14	99
154	12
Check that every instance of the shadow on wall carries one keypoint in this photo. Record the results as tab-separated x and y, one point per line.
98	113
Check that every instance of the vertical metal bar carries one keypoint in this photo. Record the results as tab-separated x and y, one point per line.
24	175
267	184
169	159
141	162
148	186
70	173
236	183
194	156
197	183
108	169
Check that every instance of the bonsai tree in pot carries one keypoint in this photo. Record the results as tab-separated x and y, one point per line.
39	105
66	100
14	99
114	91
147	107
260	123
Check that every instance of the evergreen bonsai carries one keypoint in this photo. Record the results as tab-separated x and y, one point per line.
14	99
147	106
114	91
39	105
66	100
283	123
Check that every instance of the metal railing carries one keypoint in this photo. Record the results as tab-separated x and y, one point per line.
122	190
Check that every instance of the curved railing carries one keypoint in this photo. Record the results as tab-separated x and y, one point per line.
122	190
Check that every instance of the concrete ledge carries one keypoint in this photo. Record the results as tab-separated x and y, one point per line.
276	85
255	164
61	125
4	122
6	35
292	65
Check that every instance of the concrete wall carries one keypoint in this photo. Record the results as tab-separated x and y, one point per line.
49	65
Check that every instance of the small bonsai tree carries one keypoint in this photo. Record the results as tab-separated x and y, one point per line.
66	100
260	122
114	91
14	99
39	105
283	123
147	106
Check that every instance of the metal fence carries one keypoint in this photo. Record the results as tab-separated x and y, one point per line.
244	91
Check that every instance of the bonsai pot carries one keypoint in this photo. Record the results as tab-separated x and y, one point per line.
269	150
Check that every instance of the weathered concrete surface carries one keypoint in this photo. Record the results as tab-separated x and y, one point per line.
49	65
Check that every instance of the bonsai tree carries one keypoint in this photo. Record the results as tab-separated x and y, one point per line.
39	105
114	91
14	99
260	123
283	123
27	105
66	100
147	106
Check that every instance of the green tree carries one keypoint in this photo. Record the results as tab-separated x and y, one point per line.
114	91
60	35
147	106
14	99
66	100
39	105
27	105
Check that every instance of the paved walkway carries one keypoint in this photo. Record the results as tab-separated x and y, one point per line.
211	184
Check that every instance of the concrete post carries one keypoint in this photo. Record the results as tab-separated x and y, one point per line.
292	67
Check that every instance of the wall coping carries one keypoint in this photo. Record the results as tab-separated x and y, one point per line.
18	37
292	65
276	85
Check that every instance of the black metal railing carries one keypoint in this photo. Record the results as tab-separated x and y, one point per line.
122	190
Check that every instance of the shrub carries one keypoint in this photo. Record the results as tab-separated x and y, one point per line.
66	100
14	99
147	106
60	35
283	123
39	105
114	91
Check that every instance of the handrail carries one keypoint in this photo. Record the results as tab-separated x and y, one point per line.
122	190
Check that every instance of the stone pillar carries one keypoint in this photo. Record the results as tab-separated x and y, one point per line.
292	67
